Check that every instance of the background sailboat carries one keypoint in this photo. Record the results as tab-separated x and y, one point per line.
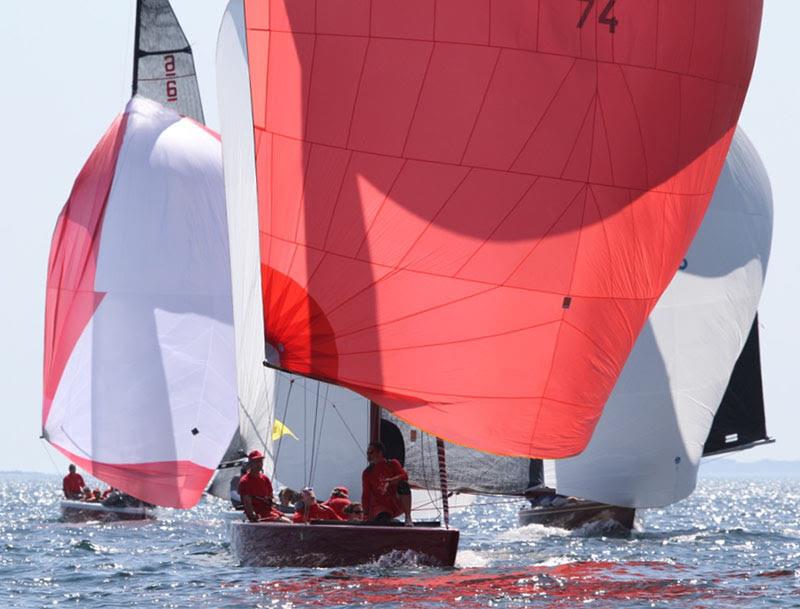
698	331
650	439
139	371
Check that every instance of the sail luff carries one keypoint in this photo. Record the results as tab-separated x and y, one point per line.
256	383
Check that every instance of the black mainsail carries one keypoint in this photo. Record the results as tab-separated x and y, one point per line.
163	66
740	423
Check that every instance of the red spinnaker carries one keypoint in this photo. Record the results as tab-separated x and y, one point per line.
468	208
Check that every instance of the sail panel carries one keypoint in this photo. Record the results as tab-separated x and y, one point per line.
163	63
256	384
740	422
139	354
476	242
646	449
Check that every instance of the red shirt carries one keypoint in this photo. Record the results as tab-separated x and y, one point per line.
73	485
316	511
378	495
337	504
259	488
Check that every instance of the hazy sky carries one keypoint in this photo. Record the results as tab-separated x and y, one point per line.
66	72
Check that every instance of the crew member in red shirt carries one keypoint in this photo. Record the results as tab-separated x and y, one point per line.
385	490
340	499
73	484
313	510
255	489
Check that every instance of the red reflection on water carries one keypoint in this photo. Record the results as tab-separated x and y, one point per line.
468	588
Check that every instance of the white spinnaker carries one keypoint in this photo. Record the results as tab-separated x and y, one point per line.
648	443
256	383
147	399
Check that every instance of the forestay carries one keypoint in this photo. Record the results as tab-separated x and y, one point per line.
465	211
139	371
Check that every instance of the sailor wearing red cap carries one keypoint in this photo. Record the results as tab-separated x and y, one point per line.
385	490
255	489
339	500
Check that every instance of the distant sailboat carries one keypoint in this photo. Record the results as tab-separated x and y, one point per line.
683	394
465	212
139	370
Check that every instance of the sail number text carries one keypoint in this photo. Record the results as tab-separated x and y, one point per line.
606	18
171	83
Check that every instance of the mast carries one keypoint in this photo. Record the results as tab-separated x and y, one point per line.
374	422
137	30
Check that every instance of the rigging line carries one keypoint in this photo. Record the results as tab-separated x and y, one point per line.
251	421
424	470
280	440
75	444
424	437
49	456
306	447
313	439
346	426
318	442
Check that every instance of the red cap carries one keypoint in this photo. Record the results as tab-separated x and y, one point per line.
342	490
255	455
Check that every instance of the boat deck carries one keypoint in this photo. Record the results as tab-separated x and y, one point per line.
77	511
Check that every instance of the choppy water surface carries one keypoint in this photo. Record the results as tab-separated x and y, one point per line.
734	543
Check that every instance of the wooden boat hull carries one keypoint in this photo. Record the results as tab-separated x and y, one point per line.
270	544
81	511
576	514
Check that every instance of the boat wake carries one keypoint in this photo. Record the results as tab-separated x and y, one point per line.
533	532
400	558
602	528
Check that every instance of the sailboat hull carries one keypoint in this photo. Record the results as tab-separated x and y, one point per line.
81	511
269	544
574	515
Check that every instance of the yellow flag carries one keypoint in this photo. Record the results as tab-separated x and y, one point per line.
279	429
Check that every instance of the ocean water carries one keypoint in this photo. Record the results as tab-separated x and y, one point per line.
734	543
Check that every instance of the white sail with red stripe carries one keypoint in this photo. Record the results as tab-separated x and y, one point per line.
139	371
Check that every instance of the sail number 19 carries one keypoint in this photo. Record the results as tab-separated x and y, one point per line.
605	16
